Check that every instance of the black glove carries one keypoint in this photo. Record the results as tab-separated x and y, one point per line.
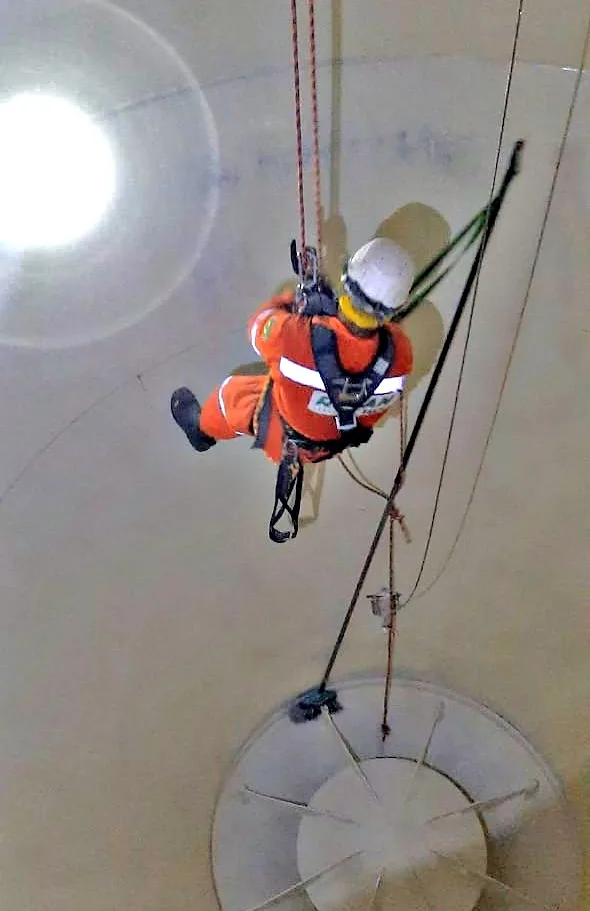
357	437
319	300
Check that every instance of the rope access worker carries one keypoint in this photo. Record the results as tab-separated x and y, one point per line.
335	367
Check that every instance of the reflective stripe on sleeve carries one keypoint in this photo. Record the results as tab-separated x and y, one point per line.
256	326
222	403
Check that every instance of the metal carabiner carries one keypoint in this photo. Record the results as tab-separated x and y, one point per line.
306	267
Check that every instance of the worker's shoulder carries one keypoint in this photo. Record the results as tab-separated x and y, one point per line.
281	299
398	334
334	323
404	355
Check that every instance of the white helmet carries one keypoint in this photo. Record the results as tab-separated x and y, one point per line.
379	277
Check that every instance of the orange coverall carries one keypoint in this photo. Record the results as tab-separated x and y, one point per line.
283	340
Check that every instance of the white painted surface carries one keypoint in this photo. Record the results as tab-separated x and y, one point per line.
396	843
257	843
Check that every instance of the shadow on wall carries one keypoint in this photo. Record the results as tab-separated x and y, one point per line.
518	853
579	795
422	231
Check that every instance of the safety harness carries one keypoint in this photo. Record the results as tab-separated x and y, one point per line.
347	393
289	482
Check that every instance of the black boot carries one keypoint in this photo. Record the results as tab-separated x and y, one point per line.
186	411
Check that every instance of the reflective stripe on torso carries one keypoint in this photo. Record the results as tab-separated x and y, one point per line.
299	390
306	376
284	340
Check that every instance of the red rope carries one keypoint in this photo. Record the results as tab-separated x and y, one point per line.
394	599
393	606
316	131
298	124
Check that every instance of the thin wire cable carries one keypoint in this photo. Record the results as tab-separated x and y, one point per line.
512	170
391	632
394	598
364	483
507	93
403	426
361	478
297	88
316	131
523	309
364	477
369	485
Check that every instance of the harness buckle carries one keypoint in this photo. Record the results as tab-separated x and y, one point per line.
346	424
291	456
353	393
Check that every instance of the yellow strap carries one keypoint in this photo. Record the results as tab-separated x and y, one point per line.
357	317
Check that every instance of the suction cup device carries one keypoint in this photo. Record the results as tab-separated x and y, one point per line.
308	705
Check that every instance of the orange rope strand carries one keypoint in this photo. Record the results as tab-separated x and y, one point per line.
316	131
394	597
298	124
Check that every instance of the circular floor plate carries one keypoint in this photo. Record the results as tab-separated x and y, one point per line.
394	822
263	819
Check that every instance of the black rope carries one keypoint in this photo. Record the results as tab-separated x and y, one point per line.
573	100
469	322
494	209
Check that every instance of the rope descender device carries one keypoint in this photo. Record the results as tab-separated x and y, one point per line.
305	263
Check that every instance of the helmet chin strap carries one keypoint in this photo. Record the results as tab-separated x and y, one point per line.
356	316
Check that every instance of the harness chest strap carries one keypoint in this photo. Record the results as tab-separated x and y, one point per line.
317	450
349	392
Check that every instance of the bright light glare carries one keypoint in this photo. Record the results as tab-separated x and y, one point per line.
57	172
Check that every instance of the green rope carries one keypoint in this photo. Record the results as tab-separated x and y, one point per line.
424	284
